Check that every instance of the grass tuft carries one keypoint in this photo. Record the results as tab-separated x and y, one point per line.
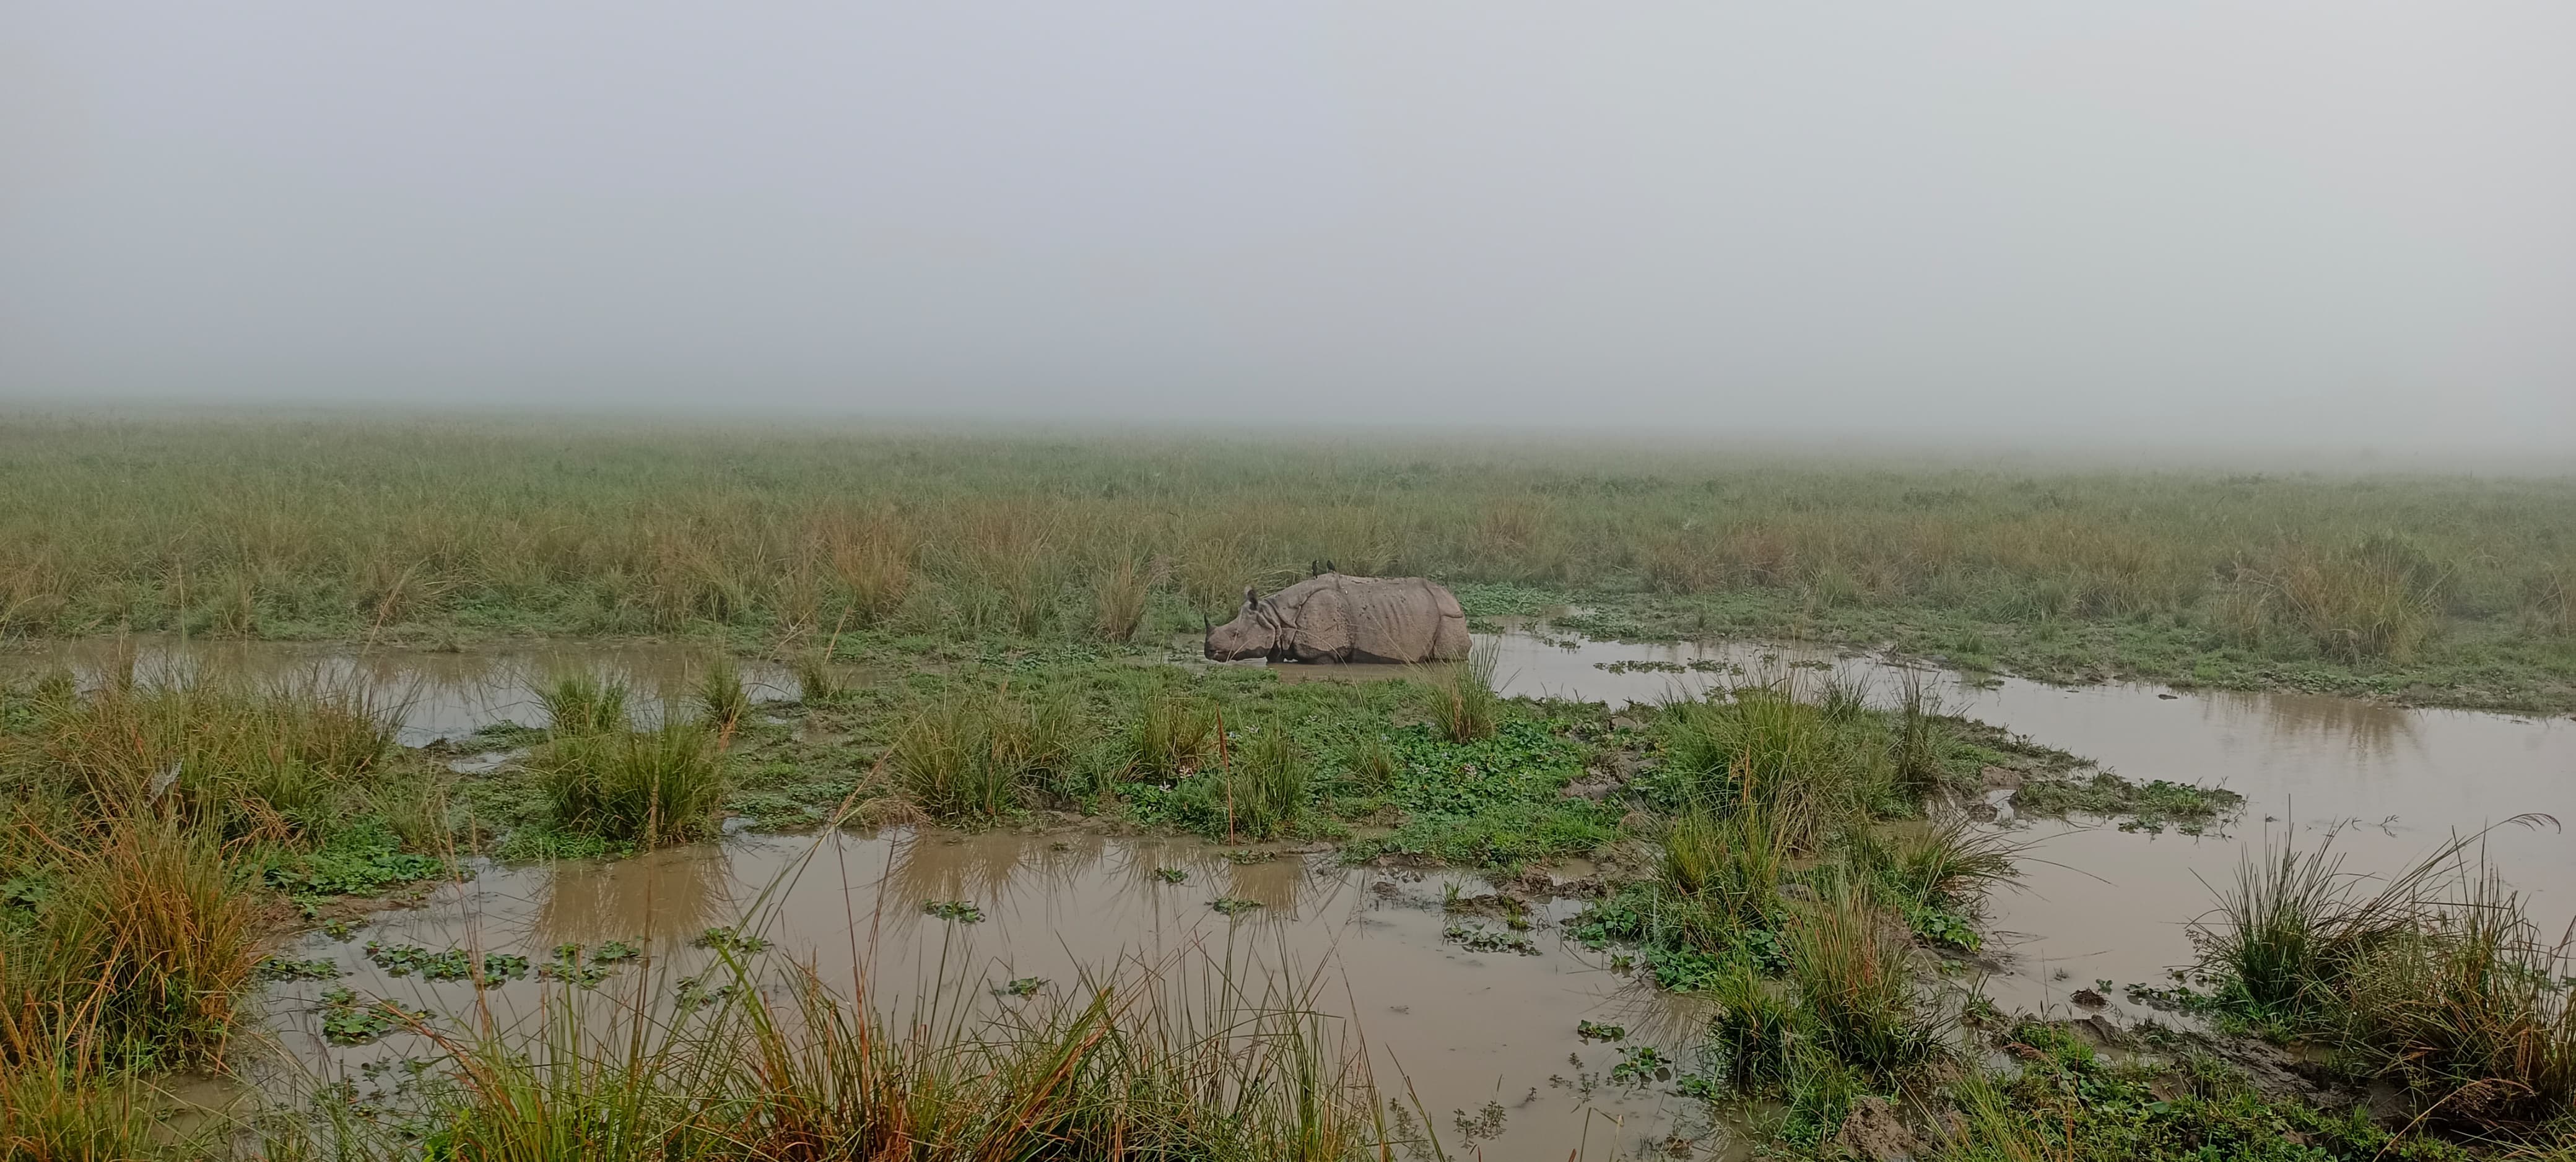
648	787
583	703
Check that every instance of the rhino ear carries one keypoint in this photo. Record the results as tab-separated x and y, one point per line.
1249	597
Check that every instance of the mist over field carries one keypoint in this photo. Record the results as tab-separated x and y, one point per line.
2191	225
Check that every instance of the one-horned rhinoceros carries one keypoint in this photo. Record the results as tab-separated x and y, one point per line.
1333	618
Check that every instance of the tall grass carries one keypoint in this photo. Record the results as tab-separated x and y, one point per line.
2377	598
2470	1010
583	703
1947	862
138	964
721	700
625	528
974	757
1923	742
1764	745
1859	999
2435	978
1727	863
240	759
1119	595
816	682
1172	735
1266	785
1149	1066
650	787
1461	701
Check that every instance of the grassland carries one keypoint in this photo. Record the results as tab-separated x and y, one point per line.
2439	589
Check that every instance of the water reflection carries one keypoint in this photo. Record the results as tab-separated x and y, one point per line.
664	898
441	694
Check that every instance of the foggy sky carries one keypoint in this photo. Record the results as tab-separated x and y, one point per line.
2296	222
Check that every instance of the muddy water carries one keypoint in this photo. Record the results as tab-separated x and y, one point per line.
2387	784
441	694
1466	1028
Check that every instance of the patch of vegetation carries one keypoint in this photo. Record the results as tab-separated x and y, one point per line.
2150	806
648	787
2435	981
2066	1102
727	940
1232	906
400	960
364	859
278	968
1478	938
349	1020
954	911
2452	588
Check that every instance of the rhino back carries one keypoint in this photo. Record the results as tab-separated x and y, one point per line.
1375	619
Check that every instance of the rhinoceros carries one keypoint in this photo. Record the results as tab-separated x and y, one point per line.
1333	618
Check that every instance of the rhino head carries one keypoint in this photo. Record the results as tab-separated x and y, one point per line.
1255	632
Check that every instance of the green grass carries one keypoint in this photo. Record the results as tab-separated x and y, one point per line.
1461	702
2435	980
2444	588
2068	1104
720	700
583	703
648	787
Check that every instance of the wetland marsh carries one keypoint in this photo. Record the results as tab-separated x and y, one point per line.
850	815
